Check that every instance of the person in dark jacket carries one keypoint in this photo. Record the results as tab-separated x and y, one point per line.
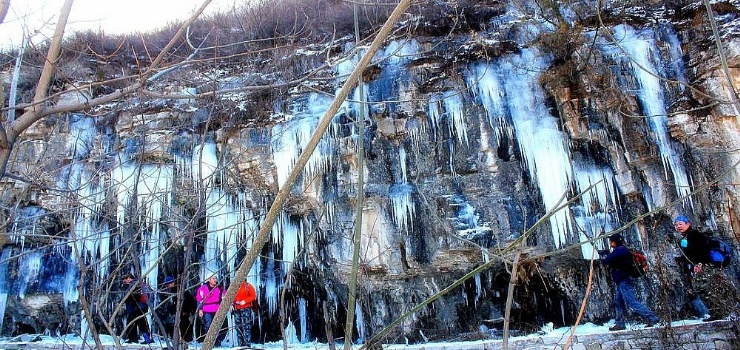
625	299
136	309
693	243
716	293
695	253
167	310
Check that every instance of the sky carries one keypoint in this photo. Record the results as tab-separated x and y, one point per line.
111	16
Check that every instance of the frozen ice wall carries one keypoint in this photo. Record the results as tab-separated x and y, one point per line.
638	50
509	90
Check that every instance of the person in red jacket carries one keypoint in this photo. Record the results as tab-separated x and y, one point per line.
245	302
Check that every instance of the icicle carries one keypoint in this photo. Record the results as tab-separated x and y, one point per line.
541	142
273	283
223	228
642	54
30	265
454	106
449	104
402	163
290	235
594	215
290	138
151	186
486	87
84	327
205	164
402	206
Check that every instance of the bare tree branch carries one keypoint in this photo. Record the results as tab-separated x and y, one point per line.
283	193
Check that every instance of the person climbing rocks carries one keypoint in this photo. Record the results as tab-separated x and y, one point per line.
625	299
244	308
135	300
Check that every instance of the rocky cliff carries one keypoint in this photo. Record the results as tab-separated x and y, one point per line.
606	116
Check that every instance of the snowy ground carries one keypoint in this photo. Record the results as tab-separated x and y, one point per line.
68	341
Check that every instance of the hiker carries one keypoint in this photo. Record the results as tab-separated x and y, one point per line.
715	295
695	254
620	263
167	310
209	298
245	303
136	309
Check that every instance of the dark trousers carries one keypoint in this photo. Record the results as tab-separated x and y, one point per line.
207	320
186	328
136	323
243	323
625	300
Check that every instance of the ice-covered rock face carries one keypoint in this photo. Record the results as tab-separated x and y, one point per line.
466	146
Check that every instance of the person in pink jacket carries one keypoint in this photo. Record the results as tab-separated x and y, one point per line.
209	296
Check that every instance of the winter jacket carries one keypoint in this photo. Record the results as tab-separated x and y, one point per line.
136	301
245	296
697	247
620	263
209	298
168	304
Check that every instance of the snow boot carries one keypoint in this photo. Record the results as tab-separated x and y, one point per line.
147	339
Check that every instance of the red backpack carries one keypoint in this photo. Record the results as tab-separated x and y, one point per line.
639	264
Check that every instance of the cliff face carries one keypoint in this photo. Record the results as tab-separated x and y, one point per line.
469	139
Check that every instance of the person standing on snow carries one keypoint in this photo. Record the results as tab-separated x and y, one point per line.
167	310
620	262
695	252
245	303
209	296
710	285
136	309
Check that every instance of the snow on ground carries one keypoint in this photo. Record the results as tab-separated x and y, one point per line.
546	332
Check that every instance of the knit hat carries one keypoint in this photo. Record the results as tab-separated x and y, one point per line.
682	218
127	275
616	238
169	279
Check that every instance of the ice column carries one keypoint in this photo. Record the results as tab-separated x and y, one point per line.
151	186
91	238
360	324
537	131
7	250
290	138
515	105
303	319
641	53
594	214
